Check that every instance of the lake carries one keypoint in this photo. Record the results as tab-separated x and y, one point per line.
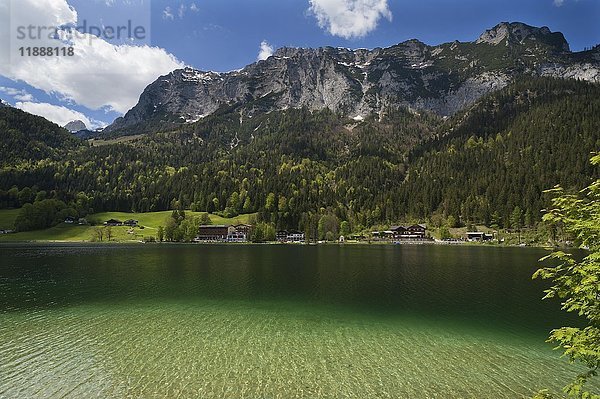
275	321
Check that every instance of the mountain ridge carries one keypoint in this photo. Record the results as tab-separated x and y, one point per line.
443	79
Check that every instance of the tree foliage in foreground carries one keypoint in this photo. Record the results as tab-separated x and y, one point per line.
577	283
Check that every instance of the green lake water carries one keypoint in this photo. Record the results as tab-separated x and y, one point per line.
266	321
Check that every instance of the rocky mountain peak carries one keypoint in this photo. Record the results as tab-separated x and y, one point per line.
75	126
519	33
443	79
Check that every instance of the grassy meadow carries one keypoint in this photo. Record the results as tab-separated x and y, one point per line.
75	233
7	218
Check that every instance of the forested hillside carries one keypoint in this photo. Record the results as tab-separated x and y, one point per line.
30	137
505	152
286	165
296	167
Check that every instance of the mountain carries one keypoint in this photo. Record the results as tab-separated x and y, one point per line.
296	166
504	152
75	126
88	134
4	104
461	133
443	79
27	137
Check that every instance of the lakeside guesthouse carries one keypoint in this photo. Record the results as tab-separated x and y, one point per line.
412	232
478	236
213	233
290	236
224	233
239	233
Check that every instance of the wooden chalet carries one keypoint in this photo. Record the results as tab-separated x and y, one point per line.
212	233
474	236
113	222
412	232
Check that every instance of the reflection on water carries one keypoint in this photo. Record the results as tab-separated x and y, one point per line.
274	321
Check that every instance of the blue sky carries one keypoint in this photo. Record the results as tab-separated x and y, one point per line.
223	35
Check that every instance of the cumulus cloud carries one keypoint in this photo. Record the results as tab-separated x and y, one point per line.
19	95
100	75
349	18
266	50
55	113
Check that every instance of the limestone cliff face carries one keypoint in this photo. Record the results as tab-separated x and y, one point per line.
75	126
443	79
518	33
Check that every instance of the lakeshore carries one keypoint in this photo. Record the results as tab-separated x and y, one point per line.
147	225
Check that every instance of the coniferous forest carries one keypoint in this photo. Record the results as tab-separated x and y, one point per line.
487	165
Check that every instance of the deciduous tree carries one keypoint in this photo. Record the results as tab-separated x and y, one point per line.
577	282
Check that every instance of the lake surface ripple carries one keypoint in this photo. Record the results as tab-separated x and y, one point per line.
265	321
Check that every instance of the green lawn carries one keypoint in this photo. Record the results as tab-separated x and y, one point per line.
65	232
7	218
152	220
62	232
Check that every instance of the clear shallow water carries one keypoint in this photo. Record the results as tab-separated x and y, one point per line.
274	322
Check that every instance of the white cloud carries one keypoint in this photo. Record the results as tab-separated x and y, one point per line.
194	7
99	76
560	3
181	11
55	113
168	14
19	95
349	18
266	50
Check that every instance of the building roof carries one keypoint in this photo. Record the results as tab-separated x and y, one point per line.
395	228
418	225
